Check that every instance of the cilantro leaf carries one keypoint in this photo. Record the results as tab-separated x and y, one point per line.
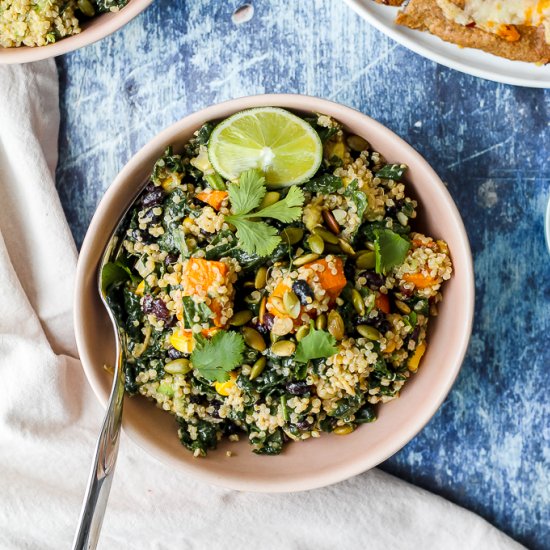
390	249
316	345
254	236
216	357
248	193
286	210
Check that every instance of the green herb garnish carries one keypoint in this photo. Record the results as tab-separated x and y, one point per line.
216	357
316	345
390	249
254	236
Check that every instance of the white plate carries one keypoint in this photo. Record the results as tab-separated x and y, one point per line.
467	60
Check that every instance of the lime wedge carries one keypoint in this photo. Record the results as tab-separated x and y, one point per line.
285	147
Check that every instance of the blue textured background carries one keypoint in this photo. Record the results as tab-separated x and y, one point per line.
488	446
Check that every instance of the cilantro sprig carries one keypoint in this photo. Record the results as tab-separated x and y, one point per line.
216	357
390	249
255	236
316	345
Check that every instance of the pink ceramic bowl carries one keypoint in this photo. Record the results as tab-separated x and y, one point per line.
316	462
96	29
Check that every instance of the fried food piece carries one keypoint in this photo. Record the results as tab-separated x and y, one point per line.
426	15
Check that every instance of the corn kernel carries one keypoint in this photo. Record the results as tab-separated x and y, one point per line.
414	360
140	288
337	150
390	346
183	341
223	388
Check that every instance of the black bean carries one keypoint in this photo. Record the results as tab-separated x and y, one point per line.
303	291
349	271
171	259
155	306
151	216
298	388
303	424
374	280
153	196
173	353
216	406
231	428
391	211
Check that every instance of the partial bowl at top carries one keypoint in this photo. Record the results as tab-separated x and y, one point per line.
330	458
93	30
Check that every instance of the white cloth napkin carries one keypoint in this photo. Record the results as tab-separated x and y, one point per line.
49	418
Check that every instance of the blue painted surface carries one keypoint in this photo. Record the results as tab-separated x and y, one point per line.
488	446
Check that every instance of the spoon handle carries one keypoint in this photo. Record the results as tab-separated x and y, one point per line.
103	467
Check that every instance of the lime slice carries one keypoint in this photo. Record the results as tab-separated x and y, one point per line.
285	147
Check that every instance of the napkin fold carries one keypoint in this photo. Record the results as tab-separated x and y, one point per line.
49	418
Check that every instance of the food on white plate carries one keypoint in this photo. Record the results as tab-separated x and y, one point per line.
515	29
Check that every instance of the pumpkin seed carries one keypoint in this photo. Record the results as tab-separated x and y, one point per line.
262	310
305	259
316	244
248	284
367	260
369	332
283	348
257	368
358	302
292	304
343	430
261	278
321	322
331	222
302	332
402	307
335	325
253	339
178	366
402	218
357	143
86	7
292	235
346	247
370	245
271	197
241	318
274	337
327	236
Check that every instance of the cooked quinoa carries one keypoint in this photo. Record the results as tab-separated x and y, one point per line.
42	22
324	284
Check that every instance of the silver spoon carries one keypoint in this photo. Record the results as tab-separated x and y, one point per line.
103	466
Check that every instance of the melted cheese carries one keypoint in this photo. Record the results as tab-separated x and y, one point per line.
497	16
508	12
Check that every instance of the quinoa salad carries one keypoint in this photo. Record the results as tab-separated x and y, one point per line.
42	22
274	313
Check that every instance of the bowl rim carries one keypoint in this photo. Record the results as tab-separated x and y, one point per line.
94	30
348	468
